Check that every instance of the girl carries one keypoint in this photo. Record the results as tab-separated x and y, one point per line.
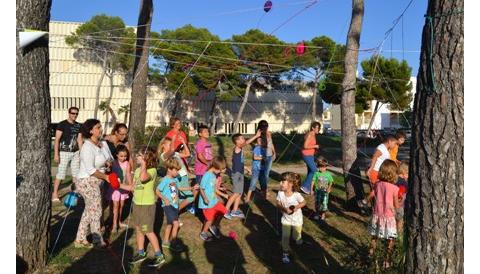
290	202
270	156
383	224
187	193
117	198
308	154
258	166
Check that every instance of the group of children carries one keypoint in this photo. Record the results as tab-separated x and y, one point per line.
177	193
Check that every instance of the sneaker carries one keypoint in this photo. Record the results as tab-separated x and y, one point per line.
362	203
166	245
285	258
237	214
215	232
228	215
138	258
305	190
204	236
180	223
192	210
157	261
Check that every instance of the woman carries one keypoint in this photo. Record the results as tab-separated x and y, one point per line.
176	134
95	158
267	143
308	155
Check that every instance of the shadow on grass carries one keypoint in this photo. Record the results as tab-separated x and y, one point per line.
225	256
180	263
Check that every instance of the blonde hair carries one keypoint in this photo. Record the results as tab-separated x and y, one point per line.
388	171
402	169
172	163
219	163
162	143
293	178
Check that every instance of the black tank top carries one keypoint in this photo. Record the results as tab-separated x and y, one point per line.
237	162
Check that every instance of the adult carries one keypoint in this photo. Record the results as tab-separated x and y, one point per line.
95	158
400	136
176	134
267	143
308	155
117	137
68	141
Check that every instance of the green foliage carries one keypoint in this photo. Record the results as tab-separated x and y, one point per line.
391	83
104	39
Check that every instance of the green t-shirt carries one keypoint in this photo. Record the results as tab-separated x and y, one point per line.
322	180
144	193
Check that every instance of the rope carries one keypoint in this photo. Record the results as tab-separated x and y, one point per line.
59	233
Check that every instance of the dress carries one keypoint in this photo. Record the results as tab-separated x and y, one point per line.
383	224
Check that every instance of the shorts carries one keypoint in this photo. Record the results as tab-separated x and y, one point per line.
116	194
254	179
66	158
143	216
218	210
171	213
373	176
238	182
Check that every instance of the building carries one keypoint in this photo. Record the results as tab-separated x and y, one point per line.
74	83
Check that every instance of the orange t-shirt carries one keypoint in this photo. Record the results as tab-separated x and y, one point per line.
177	142
393	153
310	152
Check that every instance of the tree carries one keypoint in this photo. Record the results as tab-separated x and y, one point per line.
125	109
388	82
257	73
33	205
349	136
434	213
138	105
105	41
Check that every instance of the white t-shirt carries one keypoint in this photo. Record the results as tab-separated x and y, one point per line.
183	171
296	218
385	155
93	158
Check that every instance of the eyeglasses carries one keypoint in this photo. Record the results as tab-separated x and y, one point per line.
74	113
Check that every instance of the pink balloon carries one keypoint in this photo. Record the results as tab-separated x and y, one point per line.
232	235
300	48
268	6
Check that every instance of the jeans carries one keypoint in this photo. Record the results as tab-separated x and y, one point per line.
311	167
254	179
265	173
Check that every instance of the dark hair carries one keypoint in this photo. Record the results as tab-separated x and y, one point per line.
400	134
87	126
321	162
122	148
218	162
201	128
117	127
262	125
235	137
293	178
315	124
149	156
389	138
73	108
172	121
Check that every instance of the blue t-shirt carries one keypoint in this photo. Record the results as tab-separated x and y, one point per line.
208	185
168	188
238	163
258	151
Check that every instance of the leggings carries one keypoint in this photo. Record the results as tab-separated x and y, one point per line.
294	231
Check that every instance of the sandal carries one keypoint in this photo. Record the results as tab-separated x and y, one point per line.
82	244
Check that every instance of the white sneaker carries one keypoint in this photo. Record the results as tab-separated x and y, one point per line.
305	191
285	258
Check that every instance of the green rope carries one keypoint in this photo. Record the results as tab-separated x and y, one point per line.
431	21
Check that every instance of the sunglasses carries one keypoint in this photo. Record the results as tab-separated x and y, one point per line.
74	113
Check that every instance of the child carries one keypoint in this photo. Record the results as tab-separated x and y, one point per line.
400	136
122	168
213	209
383	224
402	194
187	193
257	166
167	191
322	186
290	202
203	150
143	211
238	168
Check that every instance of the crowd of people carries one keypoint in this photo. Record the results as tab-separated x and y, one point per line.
104	168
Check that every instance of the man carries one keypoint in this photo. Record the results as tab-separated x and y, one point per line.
68	141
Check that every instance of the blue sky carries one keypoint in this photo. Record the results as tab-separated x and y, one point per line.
225	18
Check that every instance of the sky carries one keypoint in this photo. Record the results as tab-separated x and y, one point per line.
226	18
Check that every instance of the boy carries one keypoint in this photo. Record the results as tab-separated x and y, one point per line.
259	154
402	184
321	187
167	191
400	136
238	168
203	151
213	209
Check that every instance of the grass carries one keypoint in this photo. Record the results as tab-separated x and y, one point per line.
338	245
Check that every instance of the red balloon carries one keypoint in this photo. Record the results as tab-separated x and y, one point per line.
268	6
114	181
401	191
300	48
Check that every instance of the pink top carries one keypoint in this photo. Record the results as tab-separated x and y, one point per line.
311	142
204	147
171	133
384	195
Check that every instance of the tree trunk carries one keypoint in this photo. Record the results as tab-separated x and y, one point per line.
349	136
97	93
375	110
33	204
242	107
138	107
176	104
213	115
434	214
109	100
